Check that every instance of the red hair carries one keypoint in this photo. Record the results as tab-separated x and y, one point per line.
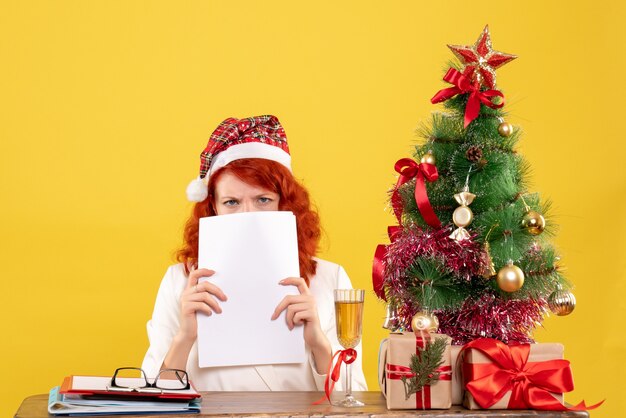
272	176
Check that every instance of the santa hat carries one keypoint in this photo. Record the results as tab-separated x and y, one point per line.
234	139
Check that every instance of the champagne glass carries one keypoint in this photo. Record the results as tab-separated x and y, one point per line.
349	317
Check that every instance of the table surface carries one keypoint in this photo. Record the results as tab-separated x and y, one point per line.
299	404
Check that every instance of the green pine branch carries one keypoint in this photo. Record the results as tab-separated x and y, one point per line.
432	287
542	273
424	366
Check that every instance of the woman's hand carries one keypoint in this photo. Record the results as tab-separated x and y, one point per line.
198	297
301	309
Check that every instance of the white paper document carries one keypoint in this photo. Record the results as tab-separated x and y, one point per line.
250	253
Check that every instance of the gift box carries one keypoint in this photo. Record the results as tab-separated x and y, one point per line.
394	363
525	376
458	388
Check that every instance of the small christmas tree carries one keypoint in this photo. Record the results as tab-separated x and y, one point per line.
471	255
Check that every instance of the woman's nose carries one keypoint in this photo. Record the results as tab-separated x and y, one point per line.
248	206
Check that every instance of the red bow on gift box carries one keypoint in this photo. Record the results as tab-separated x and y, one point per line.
531	383
423	397
462	84
397	372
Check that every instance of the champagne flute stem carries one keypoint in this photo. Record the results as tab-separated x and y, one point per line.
348	380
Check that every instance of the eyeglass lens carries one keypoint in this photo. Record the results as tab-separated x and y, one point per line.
129	377
134	377
172	379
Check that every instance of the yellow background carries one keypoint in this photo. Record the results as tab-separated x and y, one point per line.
106	105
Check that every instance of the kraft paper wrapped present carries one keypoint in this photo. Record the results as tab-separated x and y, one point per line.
526	376
394	362
457	377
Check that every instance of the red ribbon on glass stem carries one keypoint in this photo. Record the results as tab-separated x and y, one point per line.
531	383
463	84
346	356
409	169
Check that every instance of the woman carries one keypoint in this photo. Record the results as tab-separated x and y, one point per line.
246	167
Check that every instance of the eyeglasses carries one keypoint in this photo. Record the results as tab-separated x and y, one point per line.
134	379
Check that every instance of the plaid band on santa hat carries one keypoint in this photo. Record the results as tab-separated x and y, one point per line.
234	139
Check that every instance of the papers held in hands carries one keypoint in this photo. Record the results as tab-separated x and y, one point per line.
250	253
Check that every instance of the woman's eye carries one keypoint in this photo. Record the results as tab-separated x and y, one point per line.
231	202
264	200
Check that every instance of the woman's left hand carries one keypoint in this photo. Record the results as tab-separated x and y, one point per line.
301	309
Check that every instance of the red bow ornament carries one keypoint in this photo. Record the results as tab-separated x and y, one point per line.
378	266
409	169
532	385
463	84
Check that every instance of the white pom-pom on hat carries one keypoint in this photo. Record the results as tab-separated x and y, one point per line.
197	190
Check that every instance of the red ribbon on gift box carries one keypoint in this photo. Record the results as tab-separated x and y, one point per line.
531	383
463	84
397	372
422	398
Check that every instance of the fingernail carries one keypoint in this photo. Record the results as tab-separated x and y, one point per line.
282	281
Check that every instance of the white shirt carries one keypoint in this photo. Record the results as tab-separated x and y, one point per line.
165	323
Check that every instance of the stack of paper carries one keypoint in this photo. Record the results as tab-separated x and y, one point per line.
250	253
91	395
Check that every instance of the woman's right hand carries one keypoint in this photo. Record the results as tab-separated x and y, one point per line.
198	297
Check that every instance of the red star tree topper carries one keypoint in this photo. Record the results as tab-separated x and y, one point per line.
481	60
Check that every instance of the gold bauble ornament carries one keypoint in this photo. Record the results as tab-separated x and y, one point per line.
510	278
533	222
505	129
424	322
428	158
562	302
